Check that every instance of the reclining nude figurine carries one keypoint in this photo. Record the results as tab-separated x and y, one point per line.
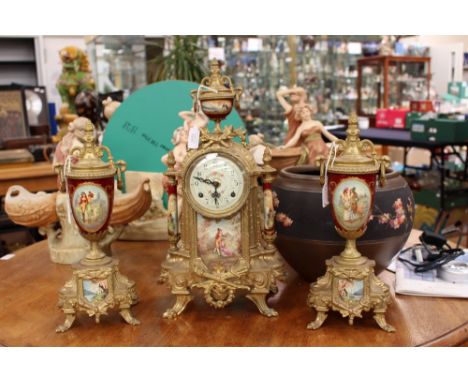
303	131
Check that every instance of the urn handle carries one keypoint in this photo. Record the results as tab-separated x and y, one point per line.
120	166
320	162
384	164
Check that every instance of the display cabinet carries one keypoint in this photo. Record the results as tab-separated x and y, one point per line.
118	62
325	66
391	81
260	70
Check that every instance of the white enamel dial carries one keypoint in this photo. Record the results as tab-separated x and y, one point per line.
216	183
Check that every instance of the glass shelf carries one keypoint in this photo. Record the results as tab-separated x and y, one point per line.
392	82
319	64
118	62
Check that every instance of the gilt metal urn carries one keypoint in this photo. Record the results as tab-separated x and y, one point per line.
96	285
350	176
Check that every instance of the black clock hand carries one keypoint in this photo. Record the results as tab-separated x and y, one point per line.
214	183
216	194
207	181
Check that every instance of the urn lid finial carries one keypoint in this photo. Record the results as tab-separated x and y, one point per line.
86	162
354	155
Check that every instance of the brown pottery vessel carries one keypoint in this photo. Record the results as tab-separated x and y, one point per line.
306	233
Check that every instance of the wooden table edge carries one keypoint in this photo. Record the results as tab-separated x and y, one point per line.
455	337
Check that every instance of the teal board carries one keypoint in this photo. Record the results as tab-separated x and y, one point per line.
140	131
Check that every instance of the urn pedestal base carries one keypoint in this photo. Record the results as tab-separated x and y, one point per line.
349	287
94	289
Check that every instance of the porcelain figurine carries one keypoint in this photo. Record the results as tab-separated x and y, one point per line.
63	118
308	135
72	140
110	106
153	224
297	98
257	147
44	210
280	158
180	139
75	76
387	46
304	133
180	135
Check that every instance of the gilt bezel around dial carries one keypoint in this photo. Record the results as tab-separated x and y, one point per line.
205	205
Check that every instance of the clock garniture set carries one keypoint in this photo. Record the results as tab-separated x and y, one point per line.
224	240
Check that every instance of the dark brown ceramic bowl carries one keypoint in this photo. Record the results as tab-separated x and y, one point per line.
311	237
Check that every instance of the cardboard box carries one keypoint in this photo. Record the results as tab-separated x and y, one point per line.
431	198
410	117
395	118
458	89
421	106
439	130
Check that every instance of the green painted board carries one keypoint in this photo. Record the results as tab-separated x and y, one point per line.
140	131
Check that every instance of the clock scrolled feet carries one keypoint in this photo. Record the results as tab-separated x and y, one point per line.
260	302
128	317
69	319
319	320
382	322
179	306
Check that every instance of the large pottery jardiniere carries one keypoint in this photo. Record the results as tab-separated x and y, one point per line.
307	236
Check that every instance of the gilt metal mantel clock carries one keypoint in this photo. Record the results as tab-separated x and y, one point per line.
224	240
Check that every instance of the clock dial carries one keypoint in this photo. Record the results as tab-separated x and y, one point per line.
216	183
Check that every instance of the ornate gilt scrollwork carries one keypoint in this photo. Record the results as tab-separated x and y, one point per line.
256	266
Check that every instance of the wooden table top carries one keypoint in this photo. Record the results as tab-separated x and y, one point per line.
29	285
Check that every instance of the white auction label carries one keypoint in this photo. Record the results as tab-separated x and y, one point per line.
193	138
325	201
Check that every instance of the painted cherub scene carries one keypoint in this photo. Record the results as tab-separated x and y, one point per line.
352	205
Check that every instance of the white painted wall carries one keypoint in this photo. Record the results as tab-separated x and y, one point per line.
446	52
430	40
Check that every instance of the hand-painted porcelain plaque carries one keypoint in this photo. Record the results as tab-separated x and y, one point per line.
95	291
351	200
219	241
350	291
90	206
